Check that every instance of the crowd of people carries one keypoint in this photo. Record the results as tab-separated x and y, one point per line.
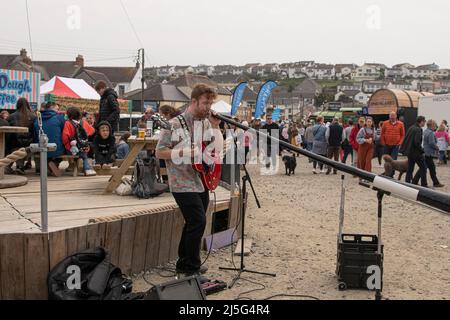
80	134
361	142
365	141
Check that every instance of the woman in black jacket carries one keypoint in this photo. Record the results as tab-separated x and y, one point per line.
23	117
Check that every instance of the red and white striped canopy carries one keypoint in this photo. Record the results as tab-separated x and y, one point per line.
68	87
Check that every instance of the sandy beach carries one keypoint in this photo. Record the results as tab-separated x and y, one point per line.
295	236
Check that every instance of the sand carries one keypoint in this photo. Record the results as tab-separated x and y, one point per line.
295	236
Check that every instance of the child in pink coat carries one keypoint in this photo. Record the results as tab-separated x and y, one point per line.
442	141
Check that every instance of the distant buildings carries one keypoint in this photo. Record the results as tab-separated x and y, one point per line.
122	79
344	82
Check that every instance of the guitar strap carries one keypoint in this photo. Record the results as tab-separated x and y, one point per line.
185	127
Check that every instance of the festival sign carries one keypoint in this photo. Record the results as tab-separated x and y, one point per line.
16	84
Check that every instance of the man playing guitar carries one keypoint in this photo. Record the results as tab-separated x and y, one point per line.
178	147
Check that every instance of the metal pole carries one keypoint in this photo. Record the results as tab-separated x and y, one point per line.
342	209
233	166
143	79
44	206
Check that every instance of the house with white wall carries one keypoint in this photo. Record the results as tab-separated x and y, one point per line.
344	71
369	71
372	86
346	86
321	71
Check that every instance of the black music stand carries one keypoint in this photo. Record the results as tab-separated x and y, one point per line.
246	178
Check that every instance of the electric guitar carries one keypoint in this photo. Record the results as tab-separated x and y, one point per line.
210	172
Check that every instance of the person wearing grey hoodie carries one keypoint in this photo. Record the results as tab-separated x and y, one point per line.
320	145
431	150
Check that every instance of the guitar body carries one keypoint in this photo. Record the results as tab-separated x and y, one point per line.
210	174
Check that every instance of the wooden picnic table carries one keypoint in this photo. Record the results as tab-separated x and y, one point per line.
9	181
136	146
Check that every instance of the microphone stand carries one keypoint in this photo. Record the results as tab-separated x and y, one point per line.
246	178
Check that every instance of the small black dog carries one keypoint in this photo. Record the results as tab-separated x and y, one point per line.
290	162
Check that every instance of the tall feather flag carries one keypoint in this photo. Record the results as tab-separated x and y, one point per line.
263	97
237	97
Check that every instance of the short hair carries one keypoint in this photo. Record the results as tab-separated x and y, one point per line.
166	109
201	90
320	119
350	122
430	123
74	113
50	104
125	136
420	119
100	85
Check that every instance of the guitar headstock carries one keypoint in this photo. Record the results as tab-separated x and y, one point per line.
164	123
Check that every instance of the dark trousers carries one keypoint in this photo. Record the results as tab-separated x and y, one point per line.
333	153
271	156
193	206
321	165
247	150
103	159
420	161
379	152
348	151
392	151
429	161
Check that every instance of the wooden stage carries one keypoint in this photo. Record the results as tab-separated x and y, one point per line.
139	234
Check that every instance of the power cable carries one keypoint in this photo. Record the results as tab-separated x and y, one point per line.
29	32
133	28
62	47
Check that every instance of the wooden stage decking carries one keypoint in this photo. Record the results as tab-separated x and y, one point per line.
73	202
139	234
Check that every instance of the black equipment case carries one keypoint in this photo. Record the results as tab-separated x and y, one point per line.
356	253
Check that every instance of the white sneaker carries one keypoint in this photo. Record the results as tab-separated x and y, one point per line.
323	171
314	171
90	173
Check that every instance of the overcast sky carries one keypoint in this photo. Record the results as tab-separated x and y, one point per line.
191	32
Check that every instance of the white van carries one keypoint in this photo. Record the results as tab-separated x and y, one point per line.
435	107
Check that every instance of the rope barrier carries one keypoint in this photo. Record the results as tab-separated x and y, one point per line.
13	157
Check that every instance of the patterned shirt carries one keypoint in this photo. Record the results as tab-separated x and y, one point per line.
182	177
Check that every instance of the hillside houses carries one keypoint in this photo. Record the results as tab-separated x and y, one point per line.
313	70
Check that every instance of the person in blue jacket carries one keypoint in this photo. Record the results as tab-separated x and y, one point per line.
53	125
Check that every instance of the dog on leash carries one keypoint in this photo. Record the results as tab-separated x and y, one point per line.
290	162
391	165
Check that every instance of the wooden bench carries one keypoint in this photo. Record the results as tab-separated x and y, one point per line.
72	160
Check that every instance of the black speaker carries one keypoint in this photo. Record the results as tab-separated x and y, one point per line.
184	289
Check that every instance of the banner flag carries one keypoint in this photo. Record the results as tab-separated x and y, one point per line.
237	97
263	97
